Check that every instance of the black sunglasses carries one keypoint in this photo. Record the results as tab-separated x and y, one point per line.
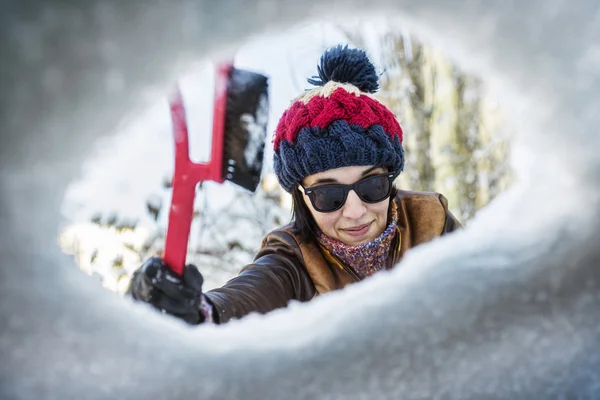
372	189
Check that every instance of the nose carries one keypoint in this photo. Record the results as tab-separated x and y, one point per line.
354	207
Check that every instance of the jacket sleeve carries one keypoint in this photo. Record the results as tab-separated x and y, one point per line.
276	276
451	224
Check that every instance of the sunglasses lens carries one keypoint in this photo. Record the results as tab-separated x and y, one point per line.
327	198
375	189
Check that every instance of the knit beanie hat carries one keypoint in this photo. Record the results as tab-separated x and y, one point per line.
338	123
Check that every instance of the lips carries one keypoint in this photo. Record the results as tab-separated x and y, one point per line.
358	230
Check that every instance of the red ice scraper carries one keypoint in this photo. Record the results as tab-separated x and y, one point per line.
238	138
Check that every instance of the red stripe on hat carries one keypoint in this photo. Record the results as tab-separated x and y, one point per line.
341	105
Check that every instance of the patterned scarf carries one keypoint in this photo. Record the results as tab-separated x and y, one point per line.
367	258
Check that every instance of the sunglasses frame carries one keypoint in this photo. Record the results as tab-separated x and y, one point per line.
347	188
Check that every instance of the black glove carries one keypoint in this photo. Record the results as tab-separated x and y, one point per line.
156	284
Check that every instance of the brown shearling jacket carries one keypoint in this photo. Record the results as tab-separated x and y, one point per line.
287	269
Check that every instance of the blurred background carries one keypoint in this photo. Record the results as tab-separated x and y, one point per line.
456	141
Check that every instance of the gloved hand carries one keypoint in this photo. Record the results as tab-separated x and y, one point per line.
156	284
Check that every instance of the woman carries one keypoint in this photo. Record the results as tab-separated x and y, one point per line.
337	150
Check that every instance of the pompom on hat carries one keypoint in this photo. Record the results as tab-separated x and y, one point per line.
337	124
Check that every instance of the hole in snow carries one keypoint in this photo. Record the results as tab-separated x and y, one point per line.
456	142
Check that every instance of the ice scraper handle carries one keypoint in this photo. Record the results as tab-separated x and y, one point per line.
184	188
188	174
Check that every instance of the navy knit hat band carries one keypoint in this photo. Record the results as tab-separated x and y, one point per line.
339	145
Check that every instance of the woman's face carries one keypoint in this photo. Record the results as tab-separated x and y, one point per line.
357	222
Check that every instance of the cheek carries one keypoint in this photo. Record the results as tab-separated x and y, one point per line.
326	221
381	210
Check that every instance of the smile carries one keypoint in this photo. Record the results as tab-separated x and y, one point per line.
358	230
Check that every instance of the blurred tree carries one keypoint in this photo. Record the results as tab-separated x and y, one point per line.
465	142
421	77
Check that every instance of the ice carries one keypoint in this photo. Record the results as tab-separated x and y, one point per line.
256	126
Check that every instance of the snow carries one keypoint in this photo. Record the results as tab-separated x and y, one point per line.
504	309
255	125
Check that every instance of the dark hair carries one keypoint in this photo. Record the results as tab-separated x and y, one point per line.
303	223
